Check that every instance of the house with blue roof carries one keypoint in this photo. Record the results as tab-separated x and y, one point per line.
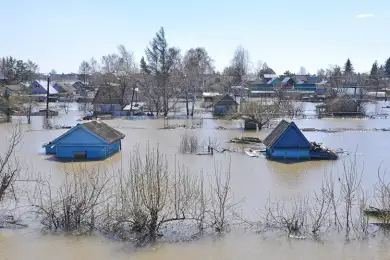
286	141
264	88
287	83
93	140
307	84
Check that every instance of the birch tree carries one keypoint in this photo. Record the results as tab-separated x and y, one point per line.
197	67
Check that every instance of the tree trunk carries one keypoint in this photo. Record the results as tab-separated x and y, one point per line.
132	100
193	103
153	226
187	107
8	110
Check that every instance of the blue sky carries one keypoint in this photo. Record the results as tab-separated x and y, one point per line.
285	34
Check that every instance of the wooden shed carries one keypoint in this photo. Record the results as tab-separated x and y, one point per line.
92	141
224	105
286	141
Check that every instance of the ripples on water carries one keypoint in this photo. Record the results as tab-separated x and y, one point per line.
252	180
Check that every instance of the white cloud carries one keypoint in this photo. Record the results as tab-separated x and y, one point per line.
364	16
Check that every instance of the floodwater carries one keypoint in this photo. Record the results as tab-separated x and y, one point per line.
252	181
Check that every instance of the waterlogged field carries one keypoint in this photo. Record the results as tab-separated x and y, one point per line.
256	186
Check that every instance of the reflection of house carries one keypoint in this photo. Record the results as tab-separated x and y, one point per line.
224	105
286	141
92	140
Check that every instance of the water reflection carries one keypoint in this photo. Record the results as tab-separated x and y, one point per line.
253	179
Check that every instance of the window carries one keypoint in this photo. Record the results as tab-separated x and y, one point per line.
80	155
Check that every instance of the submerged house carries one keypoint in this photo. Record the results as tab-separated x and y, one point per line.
111	100
224	105
286	141
93	140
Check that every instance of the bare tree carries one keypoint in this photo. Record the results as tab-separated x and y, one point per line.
290	217
128	80
109	68
382	197
260	112
302	71
28	106
189	143
94	70
197	67
221	200
76	205
84	72
9	165
240	64
349	188
150	197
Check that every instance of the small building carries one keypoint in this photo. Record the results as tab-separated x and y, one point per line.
287	83
3	78
264	88
79	84
39	87
93	140
210	96
286	141
224	104
305	87
61	89
111	100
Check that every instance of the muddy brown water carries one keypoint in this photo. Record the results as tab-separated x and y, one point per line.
252	180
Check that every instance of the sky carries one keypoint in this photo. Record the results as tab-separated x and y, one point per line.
285	34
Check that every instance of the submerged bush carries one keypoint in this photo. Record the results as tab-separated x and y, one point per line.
189	143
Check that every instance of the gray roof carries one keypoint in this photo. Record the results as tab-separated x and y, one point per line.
225	100
274	136
104	131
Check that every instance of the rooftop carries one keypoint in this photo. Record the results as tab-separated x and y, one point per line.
43	84
274	136
104	131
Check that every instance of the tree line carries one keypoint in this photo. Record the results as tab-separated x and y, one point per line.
18	70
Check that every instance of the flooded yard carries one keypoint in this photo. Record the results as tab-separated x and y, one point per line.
253	180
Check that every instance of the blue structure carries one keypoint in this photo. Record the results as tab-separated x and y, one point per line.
286	141
306	87
223	105
268	86
92	141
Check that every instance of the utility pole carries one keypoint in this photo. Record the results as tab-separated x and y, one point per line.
47	97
